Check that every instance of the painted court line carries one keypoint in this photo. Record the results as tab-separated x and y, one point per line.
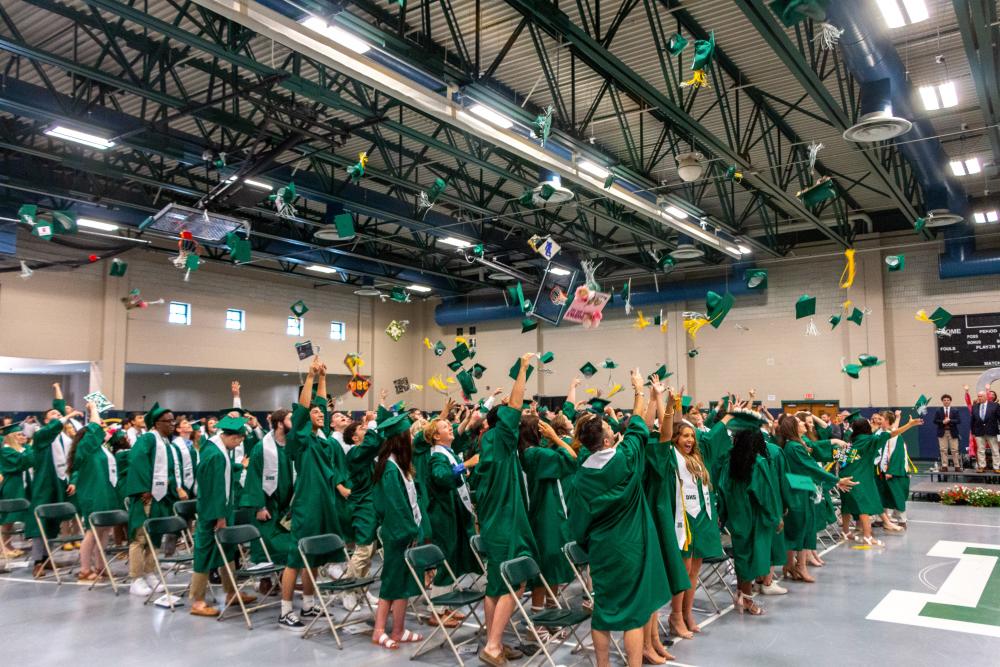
952	523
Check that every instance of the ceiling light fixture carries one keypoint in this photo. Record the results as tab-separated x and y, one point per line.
491	116
96	224
260	185
676	212
746	250
319	268
458	243
593	169
940	96
77	136
898	13
967	167
419	288
337	34
558	271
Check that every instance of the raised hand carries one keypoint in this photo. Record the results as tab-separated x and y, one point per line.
234	387
636	378
576	383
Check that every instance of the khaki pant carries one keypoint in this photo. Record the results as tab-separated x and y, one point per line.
361	561
949	449
199	583
140	556
981	442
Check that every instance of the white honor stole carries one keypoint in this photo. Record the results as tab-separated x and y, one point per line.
238	455
59	448
269	475
185	465
463	490
411	492
217	441
690	494
160	473
887	450
112	466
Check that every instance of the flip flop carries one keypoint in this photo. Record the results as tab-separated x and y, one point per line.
386	642
410	637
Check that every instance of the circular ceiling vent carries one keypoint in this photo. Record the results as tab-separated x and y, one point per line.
500	277
941	217
687	251
878	126
367	291
560	194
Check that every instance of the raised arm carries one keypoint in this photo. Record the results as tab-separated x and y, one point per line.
571	393
305	396
517	393
666	412
321	385
906	427
639	403
234	388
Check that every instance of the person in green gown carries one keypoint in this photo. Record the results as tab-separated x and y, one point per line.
781	496
610	519
185	456
398	511
217	481
93	477
503	518
894	474
360	455
268	490
16	459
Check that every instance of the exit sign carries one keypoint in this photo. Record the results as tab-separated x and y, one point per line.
810	396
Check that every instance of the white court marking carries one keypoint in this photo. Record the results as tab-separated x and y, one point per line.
952	523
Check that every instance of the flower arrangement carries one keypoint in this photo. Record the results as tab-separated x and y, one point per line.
975	496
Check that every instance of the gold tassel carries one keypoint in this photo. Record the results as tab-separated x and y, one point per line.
922	316
693	325
847	275
437	383
427	344
614	390
461	339
363	160
641	322
698	80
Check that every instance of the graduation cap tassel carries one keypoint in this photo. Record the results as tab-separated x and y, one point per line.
542	126
828	36
850	270
811	329
814	149
25	271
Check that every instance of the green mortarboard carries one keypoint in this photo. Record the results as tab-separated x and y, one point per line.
686	402
624	294
588	370
824	189
693	352
517	294
895	262
800	482
940	318
439	349
834	321
155	413
920	407
381	414
527	197
526	404
344	222
546	191
755	278
231	424
704	51
478	370
745	421
658	319
299	308
399	295
609	364
717	307
467	383
528	324
436	190
517	367
609	180
660	373
192	261
805	306
792	11
118	268
919	224
869	360
455	366
676	44
460	352
395	425
10	428
853	416
225	411
546	357
239	248
856	316
854	370
597	404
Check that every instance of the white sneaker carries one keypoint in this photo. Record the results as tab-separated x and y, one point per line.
372	599
154	583
140	587
349	601
773	589
336	570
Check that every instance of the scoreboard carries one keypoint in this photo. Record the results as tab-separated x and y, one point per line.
970	342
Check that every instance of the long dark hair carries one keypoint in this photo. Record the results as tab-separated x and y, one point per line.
528	435
788	429
860	427
402	447
71	456
747	444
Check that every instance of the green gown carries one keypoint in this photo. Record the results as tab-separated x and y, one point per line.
342	476
46	487
546	466
781	499
400	529
315	500
92	463
453	523
894	490
276	537
361	468
804	510
188	468
14	466
660	488
706	538
140	480
860	466
610	519
421	468
503	520
826	511
121	460
216	500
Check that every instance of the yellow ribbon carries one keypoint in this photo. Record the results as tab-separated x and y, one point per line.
591	391
846	306
698	80
641	322
922	316
693	325
847	275
353	363
437	383
461	339
614	390
427	344
363	160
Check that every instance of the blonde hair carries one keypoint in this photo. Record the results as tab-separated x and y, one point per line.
429	428
694	461
561	424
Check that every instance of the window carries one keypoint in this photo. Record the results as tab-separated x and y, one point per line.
296	326
179	313
236	319
338	331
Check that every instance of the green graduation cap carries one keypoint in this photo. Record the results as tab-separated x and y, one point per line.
231	424
597	404
824	188
460	352
733	173
895	262
609	180
10	428
467	383
704	52
527	198
588	370
856	316
676	44
800	482
920	407
658	319
517	367
436	190
834	321
299	308
625	291
869	360
853	370
693	352
344	223
546	191
455	366
745	421
118	268
805	306
541	129
478	370
399	295
192	261
686	402
919	224
155	413
395	425
940	318
667	262
853	416
755	278
609	364
546	357
517	294
660	373
439	349
239	248
717	307
528	324
792	11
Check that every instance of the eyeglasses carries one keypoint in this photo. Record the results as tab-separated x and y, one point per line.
166	420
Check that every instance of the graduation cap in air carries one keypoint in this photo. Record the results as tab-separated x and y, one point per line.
528	324
660	374
919	224
517	367
733	173
686	402
856	316
439	349
304	350
45	223
455	366
895	262
792	11
869	360
460	352
527	198
693	352
755	278
478	370
853	370
676	44
834	321
395	425
588	370
824	189
704	52
118	268
717	306
667	262
609	364
920	407
609	180
805	306
344	224
467	383
517	294
399	295
597	404
239	248
299	308
939	318
546	357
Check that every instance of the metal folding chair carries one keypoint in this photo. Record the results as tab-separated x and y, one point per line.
429	557
108	519
579	560
710	567
10	506
521	571
187	510
57	512
157	528
239	536
331	548
479	551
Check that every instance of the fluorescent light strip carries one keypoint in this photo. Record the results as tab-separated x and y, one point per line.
558	271
892	13
338	35
929	97
491	116
957	167
458	243
916	10
972	166
746	250
991	216
260	185
949	94
676	212
979	217
96	224
593	169
419	288
319	268
85	138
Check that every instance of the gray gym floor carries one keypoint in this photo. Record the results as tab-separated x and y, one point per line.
816	624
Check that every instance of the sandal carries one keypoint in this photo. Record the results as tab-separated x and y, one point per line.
691	625
790	574
447	621
387	642
654	659
410	637
753	608
873	542
676	631
512	653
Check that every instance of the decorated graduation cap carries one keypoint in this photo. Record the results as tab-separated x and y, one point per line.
460	352
704	53
439	349
232	425
824	189
299	308
588	370
895	262
597	404
920	407
939	318
856	316
467	383
284	201
792	11
755	278
717	306
395	425
609	364
9	429
478	370
118	268
357	171
528	324
154	414
733	173
517	367
805	306
676	44
239	248
45	223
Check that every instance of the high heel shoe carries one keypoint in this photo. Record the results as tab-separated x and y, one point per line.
676	631
788	573
740	600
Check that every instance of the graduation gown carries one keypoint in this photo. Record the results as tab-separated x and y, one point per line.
894	490
315	500
121	460
141	470
705	536
218	477
451	514
421	475
276	537
503	519
361	468
186	463
398	510
546	466
95	475
14	466
46	486
780	500
860	465
826	512
342	476
610	519
804	510
660	488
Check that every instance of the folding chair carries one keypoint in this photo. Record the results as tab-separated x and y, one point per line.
9	507
521	571
239	536
330	547
711	566
429	557
243	516
157	528
479	551
187	510
57	512
108	519
579	560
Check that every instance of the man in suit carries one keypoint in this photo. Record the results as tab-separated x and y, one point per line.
947	420
985	426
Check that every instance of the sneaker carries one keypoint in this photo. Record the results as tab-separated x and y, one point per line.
773	589
140	587
349	601
336	570
311	612
372	599
154	583
291	622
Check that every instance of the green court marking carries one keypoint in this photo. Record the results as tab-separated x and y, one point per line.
987	612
